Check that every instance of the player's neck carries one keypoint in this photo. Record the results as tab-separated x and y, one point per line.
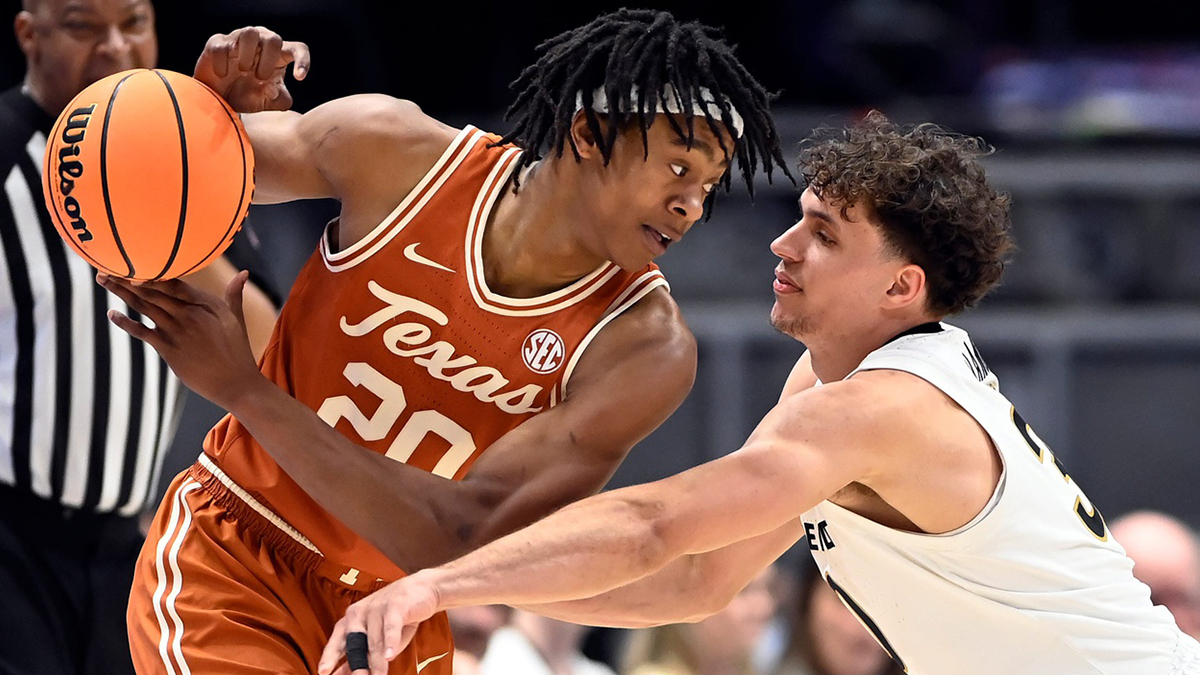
530	247
836	355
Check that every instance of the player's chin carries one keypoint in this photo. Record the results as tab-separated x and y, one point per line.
786	322
633	262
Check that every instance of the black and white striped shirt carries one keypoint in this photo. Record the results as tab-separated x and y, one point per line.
86	412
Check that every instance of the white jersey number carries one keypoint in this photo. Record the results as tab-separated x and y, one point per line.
380	423
1088	514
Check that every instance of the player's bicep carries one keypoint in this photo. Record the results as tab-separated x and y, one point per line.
345	149
285	166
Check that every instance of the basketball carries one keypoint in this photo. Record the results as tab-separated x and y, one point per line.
148	174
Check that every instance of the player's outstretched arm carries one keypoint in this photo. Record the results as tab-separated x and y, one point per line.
806	449
686	590
692	587
636	372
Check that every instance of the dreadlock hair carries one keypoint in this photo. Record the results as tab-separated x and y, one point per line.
649	50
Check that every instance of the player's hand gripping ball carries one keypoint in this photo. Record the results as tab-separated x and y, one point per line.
148	174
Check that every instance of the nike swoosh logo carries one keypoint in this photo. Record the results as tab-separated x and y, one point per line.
421	665
410	252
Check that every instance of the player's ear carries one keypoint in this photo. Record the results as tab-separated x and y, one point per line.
583	137
908	286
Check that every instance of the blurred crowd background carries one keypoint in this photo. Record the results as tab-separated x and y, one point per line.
1093	107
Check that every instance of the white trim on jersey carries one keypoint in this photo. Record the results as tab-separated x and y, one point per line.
493	302
387	229
633	287
652	280
258	506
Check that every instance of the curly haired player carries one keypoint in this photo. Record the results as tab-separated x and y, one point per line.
930	505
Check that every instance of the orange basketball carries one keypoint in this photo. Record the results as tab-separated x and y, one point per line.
148	174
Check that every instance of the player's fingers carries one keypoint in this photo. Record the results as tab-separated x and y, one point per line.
375	647
143	300
395	634
333	649
216	53
247	49
234	293
355	619
406	635
297	53
137	329
279	98
180	292
269	55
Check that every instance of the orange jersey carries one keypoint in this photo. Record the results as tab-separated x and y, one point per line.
397	342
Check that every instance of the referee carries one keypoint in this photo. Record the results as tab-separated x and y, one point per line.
86	412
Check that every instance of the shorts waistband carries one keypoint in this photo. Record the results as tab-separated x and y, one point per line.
272	529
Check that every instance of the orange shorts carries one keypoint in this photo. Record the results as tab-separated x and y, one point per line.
222	590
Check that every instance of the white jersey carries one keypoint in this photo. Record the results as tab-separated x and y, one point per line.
1034	584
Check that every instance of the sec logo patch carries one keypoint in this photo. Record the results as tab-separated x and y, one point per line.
543	351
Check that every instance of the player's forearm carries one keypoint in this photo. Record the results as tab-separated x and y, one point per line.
388	503
674	594
581	551
688	589
616	538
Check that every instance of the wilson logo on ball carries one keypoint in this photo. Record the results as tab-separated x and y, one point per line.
70	168
148	174
543	351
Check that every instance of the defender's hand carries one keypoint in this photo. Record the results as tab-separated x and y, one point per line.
246	67
389	617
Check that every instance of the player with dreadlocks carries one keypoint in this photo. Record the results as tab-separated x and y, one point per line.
479	339
647	62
